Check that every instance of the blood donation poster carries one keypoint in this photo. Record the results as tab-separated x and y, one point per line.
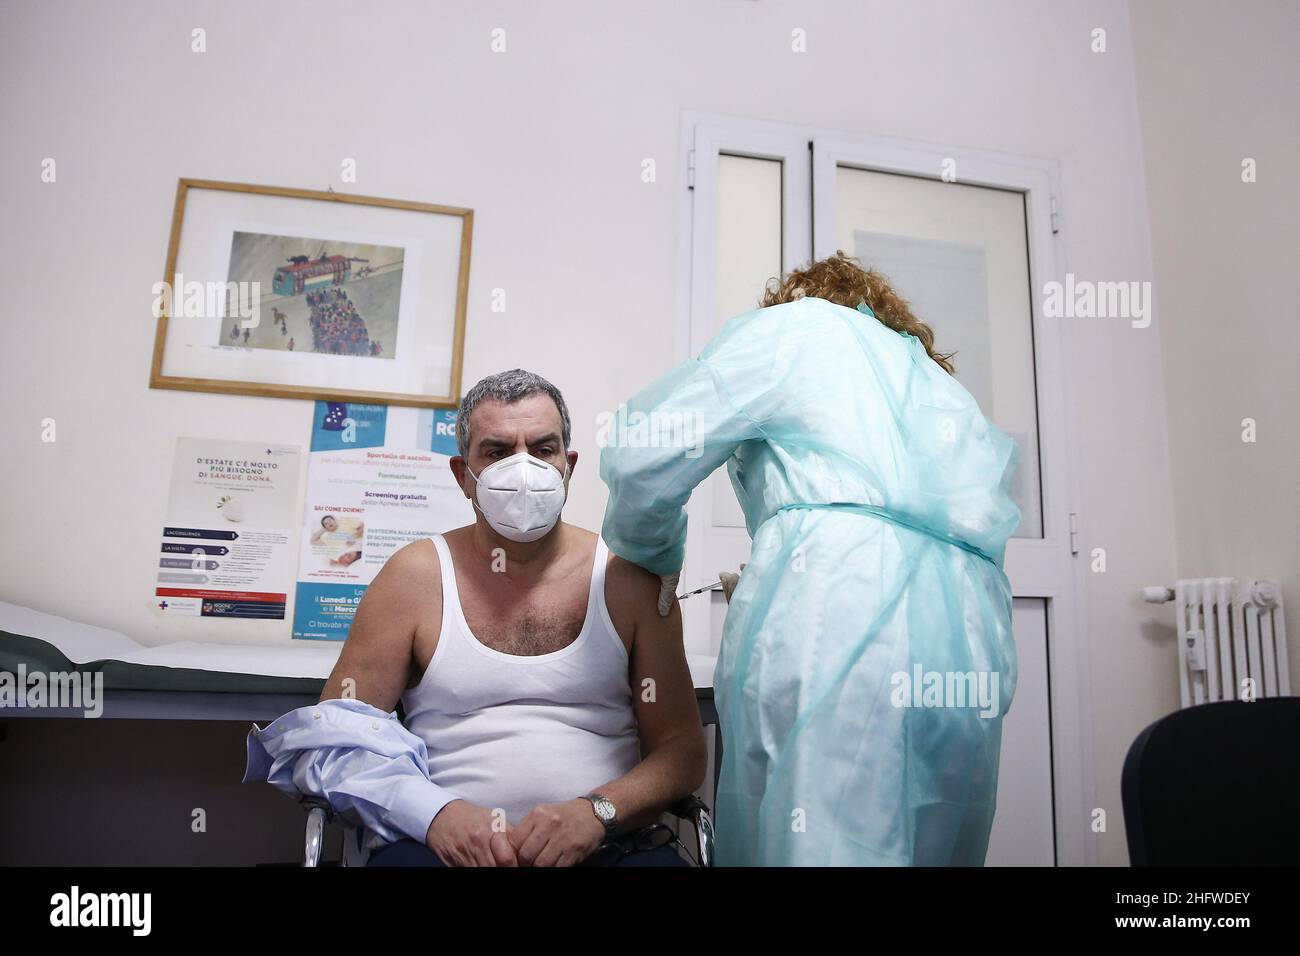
377	479
228	537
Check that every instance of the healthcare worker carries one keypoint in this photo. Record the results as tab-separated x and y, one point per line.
867	658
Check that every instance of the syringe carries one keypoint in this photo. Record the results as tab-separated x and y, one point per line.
707	587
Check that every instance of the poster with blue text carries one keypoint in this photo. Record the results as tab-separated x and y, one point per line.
378	478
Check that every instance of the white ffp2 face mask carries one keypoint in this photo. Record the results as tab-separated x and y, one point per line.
521	496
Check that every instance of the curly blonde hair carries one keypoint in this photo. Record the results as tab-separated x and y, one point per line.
842	279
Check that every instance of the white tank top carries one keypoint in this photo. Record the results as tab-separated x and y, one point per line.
510	731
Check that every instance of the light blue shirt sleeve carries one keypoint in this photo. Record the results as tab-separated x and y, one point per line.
369	768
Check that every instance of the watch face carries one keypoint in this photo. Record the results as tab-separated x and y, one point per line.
604	809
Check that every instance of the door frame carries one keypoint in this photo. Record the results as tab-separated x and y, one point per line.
701	143
1045	568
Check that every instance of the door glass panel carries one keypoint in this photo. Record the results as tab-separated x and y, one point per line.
958	254
749	253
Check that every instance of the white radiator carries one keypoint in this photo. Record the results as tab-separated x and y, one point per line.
1231	638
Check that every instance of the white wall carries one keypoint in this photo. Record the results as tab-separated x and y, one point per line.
1228	280
545	142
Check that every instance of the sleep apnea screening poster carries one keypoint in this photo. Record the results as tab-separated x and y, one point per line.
378	478
228	538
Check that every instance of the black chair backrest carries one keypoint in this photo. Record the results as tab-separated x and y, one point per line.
1216	785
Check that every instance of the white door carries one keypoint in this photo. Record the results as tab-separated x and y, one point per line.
966	237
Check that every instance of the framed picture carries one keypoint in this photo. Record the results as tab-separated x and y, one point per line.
296	293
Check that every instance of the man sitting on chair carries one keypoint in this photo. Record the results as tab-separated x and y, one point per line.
549	707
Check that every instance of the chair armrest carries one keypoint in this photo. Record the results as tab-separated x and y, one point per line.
314	838
695	810
687	807
310	803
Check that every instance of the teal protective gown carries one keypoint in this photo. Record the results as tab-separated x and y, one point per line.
867	658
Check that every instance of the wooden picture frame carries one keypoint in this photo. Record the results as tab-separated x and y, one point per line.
390	332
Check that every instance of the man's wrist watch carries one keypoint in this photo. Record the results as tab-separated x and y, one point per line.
603	807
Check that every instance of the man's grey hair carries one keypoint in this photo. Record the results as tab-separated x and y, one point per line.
508	387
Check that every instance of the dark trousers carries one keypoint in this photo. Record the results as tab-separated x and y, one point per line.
413	853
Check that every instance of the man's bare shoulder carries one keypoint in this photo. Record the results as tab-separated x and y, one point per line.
451	537
629	587
417	557
579	545
580	535
411	574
